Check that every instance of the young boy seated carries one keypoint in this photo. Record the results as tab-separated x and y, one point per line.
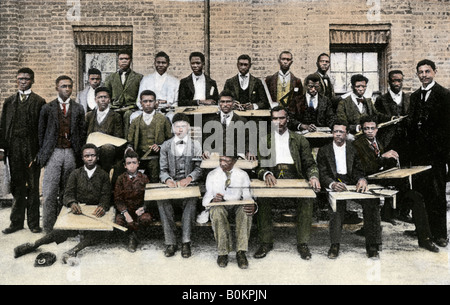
129	199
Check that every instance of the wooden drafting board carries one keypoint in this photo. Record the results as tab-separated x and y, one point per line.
398	173
375	191
69	221
99	139
197	109
285	188
213	162
160	191
257	113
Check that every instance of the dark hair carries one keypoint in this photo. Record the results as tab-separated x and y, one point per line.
312	77
180	117
125	51
391	73
358	78
89	146
163	54
245	57
323	54
63	77
368	119
94	71
340	123
102	89
286	52
147	92
276	109
426	62
226	92
28	71
130	154
197	54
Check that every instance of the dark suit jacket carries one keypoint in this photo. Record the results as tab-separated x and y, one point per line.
293	99
186	91
371	163
385	104
111	125
349	113
429	125
49	126
35	104
325	115
300	152
326	162
123	95
256	90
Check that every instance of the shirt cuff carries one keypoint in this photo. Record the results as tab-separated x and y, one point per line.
255	107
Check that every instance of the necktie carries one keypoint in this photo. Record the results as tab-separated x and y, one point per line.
375	148
228	181
64	108
23	97
224	121
311	102
360	100
123	77
244	77
423	94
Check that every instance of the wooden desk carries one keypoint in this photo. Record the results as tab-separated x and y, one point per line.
191	110
69	221
256	113
99	139
399	173
285	188
213	162
231	202
160	191
375	192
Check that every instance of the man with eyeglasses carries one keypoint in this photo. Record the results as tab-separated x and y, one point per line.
314	110
374	159
62	133
339	166
19	142
356	105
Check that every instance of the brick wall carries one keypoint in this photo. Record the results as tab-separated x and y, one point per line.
40	35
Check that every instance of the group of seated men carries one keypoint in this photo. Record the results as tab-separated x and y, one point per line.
36	134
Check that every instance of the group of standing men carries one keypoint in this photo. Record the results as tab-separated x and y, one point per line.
35	134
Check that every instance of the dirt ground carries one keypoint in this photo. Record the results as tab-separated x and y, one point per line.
401	262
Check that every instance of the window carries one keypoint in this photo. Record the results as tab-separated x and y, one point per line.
346	64
106	62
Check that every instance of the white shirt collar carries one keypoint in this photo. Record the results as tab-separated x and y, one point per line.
429	86
27	92
63	102
184	139
198	78
288	73
90	172
344	146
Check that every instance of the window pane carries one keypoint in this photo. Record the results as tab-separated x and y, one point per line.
340	85
371	62
374	82
354	62
105	62
338	62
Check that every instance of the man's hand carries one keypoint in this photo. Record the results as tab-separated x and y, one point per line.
362	186
128	217
338	187
154	147
249	209
140	211
99	211
75	208
207	102
315	184
270	180
251	157
185	182
390	154
171	183
206	155
218	198
248	106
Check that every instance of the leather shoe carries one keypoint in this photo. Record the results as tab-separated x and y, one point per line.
441	242
36	230
222	261
242	260
429	245
372	252
186	250
333	253
304	251
132	244
263	250
23	249
11	229
170	250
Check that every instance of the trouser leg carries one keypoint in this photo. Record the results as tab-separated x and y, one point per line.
243	228
166	214
336	219
187	218
264	222
221	229
372	221
304	220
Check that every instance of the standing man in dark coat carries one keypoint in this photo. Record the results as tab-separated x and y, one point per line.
62	134
429	130
197	88
326	86
19	142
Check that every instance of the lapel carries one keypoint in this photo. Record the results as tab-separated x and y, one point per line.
350	154
236	86
273	82
332	159
251	85
191	85
405	103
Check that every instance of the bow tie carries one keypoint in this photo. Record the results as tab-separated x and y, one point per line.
360	100
180	142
